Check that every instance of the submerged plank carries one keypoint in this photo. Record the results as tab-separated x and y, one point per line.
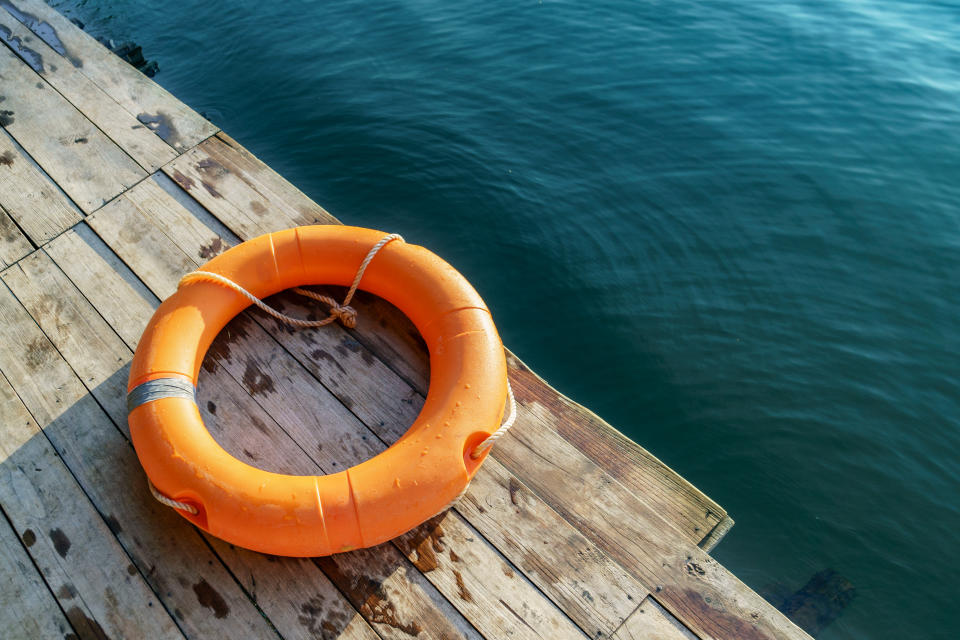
70	543
83	161
134	137
165	549
178	125
29	196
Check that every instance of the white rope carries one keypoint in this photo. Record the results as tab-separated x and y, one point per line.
170	502
347	315
499	433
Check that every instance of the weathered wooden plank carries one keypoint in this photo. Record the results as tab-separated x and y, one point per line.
27	608
652	622
82	563
175	561
666	491
583	580
13	244
177	124
486	589
121	224
134	137
83	161
242	192
38	206
259	368
321	610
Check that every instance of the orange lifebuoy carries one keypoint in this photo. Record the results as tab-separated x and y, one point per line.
371	502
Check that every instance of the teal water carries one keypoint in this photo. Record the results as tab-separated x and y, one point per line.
730	228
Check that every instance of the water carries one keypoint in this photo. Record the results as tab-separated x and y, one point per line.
730	228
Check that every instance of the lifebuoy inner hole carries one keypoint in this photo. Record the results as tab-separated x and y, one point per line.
290	400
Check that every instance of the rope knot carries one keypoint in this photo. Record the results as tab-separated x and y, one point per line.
346	314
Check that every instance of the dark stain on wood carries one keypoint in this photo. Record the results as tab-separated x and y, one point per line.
517	616
507	571
219	351
80	141
257	207
379	610
60	542
33	59
29	538
320	354
212	248
85	626
211	189
67	591
255	380
184	181
694	569
260	426
211	167
208	597
42	29
161	124
6	117
514	487
113	524
462	588
6	158
427	541
211	407
131	570
250	455
321	620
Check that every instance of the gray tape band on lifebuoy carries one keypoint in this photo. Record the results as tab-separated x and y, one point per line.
179	387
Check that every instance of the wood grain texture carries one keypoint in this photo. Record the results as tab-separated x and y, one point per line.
652	622
83	161
163	547
246	195
27	194
134	137
178	125
70	543
13	244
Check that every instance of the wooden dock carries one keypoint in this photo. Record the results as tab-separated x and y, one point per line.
110	190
